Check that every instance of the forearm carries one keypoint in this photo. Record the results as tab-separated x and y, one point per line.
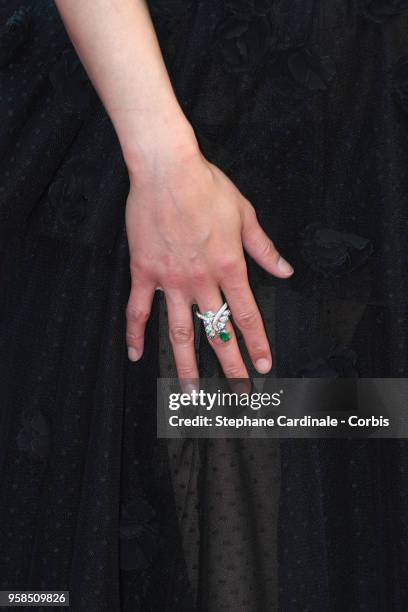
117	44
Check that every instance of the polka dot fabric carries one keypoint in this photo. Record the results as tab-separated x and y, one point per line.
304	105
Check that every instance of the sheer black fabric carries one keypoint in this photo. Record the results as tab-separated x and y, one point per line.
304	104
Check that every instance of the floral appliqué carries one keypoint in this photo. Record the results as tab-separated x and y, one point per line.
380	11
14	34
311	70
325	357
69	194
138	534
245	35
333	253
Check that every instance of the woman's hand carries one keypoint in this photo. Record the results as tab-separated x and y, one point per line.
187	224
187	227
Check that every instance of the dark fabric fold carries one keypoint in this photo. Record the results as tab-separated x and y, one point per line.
304	106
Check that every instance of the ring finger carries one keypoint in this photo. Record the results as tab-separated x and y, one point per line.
228	353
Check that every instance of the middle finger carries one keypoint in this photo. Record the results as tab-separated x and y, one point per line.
228	353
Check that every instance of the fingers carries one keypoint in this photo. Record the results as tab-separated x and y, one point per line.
137	314
247	317
261	248
228	353
181	333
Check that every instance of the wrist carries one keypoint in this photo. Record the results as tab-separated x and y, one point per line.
160	143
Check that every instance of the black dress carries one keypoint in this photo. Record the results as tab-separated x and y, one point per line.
304	104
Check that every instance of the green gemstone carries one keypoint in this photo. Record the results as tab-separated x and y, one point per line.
225	336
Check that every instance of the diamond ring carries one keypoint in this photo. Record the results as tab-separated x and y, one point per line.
215	322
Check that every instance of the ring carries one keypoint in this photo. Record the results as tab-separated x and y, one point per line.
215	322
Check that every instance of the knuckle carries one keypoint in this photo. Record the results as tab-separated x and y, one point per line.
133	339
136	315
250	208
139	268
246	319
259	351
200	276
267	248
174	279
230	265
186	371
233	370
181	334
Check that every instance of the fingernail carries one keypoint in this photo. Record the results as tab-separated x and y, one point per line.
241	386
189	388
284	266
263	365
133	354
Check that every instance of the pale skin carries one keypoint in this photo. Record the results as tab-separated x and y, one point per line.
181	210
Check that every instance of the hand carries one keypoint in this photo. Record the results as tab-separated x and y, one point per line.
187	227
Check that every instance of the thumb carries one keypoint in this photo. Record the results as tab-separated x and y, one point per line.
261	248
